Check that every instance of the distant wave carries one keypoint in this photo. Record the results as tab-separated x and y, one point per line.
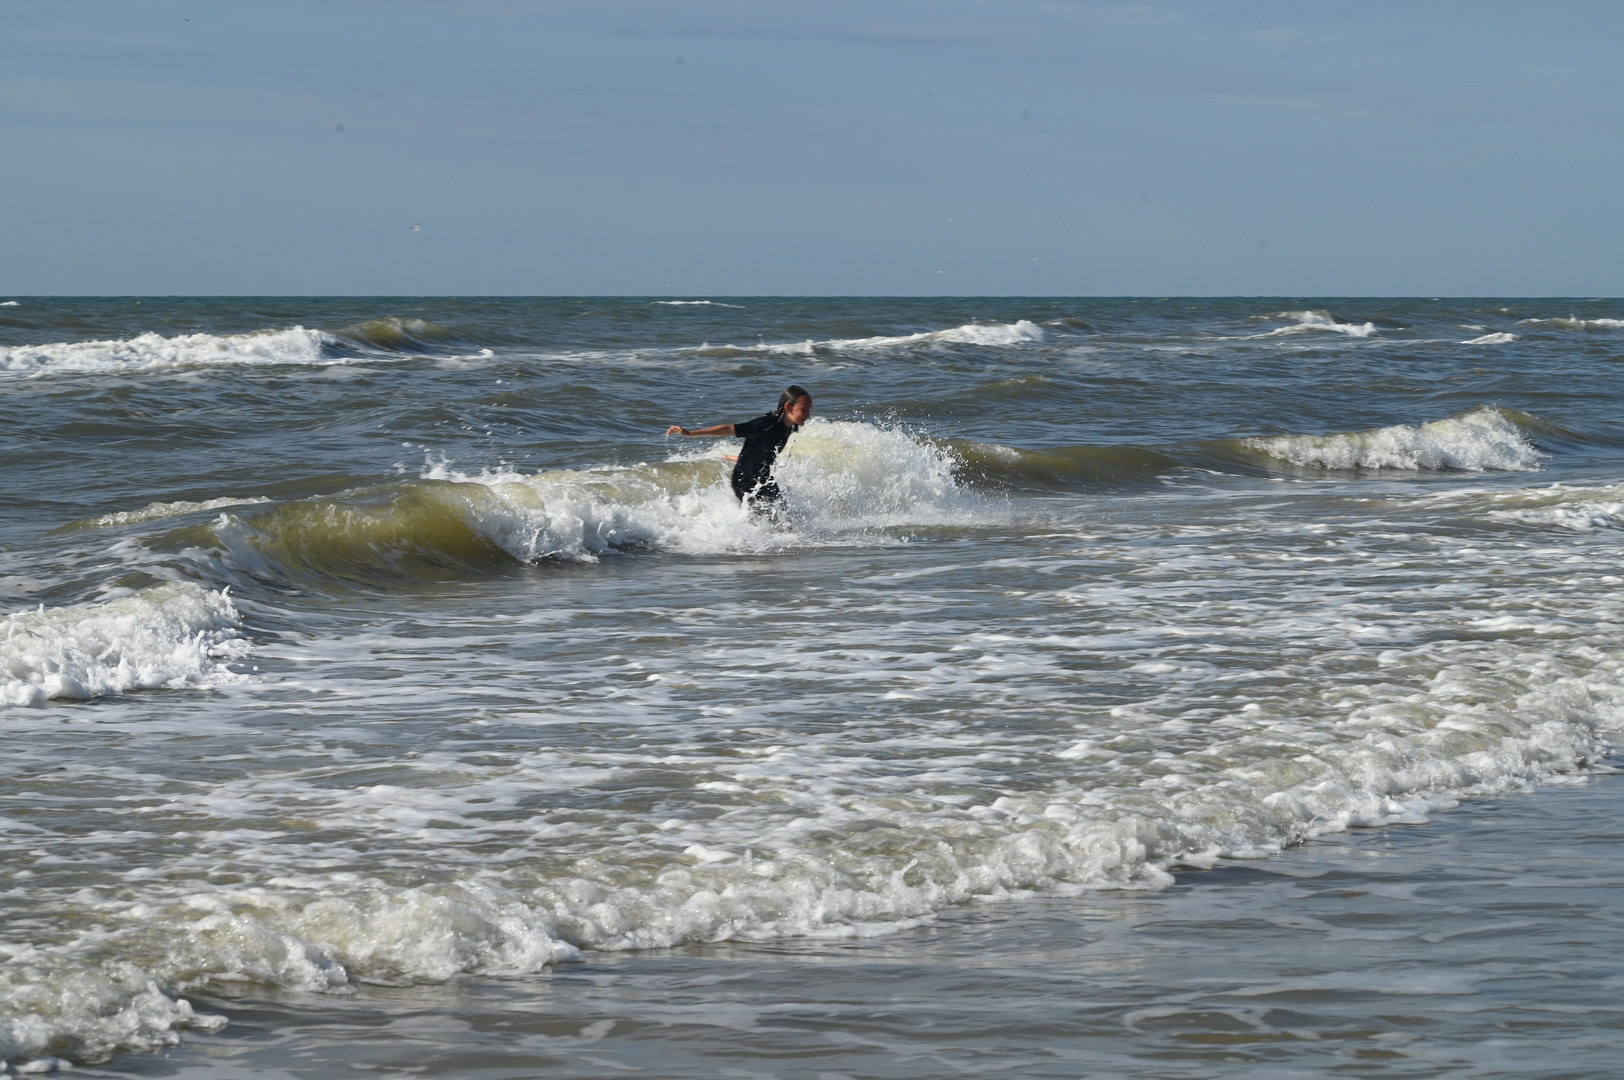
1573	322
1305	322
1500	338
152	351
382	338
1476	441
170	635
993	334
697	303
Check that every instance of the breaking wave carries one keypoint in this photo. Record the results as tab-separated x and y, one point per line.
1573	322
150	352
381	338
171	635
990	334
843	482
1305	322
1500	338
1480	440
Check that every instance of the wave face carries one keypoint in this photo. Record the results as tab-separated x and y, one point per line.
1477	441
1068	467
167	636
393	334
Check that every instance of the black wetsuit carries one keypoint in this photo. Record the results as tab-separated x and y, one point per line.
763	438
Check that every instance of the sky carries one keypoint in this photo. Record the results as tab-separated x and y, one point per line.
819	147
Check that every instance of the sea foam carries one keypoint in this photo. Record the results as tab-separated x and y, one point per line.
1475	441
171	635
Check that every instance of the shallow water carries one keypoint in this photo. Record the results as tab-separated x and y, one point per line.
1481	945
360	643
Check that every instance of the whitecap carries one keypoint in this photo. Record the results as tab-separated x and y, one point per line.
171	635
152	351
1303	322
1475	441
990	334
1573	322
1501	338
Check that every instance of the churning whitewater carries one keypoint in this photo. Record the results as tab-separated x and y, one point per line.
374	642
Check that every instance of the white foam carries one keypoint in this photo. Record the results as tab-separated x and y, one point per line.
697	303
1476	441
1581	509
841	480
993	334
151	352
91	1010
1303	322
1501	338
157	511
171	635
8	303
835	764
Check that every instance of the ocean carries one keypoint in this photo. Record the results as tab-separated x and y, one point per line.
1132	688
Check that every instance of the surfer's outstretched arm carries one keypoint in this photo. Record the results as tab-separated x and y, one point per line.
714	429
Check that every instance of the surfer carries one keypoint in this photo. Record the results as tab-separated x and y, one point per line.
763	438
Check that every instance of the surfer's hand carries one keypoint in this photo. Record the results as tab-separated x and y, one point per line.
731	457
676	429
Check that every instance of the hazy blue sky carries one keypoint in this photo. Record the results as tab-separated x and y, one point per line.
884	147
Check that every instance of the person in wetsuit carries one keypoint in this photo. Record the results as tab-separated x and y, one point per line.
763	438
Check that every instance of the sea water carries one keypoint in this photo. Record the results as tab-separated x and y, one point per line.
380	662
